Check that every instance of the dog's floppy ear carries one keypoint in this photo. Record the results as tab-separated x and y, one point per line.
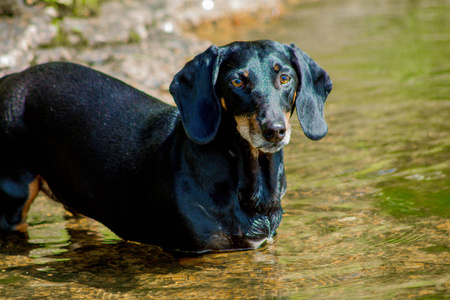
312	91
193	91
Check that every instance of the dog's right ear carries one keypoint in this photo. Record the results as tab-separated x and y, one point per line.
193	91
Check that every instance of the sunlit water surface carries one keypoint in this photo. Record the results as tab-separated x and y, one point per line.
367	209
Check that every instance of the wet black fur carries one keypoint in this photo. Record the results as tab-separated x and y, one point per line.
181	178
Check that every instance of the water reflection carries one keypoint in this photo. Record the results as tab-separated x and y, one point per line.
367	208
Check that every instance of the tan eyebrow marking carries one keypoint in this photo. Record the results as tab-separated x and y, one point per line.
276	67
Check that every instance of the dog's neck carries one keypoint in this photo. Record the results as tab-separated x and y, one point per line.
259	188
261	181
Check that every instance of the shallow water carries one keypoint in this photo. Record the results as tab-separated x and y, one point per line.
367	208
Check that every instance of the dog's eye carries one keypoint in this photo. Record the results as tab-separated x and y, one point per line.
285	79
237	82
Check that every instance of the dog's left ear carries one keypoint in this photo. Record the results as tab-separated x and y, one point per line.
193	91
312	91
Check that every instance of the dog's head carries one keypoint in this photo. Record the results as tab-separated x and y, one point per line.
259	83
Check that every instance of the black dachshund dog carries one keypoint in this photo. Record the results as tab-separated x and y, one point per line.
207	175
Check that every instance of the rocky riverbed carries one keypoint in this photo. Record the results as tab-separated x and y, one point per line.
143	43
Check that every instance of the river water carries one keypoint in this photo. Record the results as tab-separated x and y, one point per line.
367	209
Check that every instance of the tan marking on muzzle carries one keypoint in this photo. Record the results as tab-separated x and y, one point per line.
247	127
287	119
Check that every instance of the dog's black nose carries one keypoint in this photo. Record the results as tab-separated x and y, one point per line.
274	131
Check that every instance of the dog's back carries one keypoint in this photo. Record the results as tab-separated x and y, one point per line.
60	119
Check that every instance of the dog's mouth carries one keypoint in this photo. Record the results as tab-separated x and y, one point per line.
268	147
257	243
252	133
